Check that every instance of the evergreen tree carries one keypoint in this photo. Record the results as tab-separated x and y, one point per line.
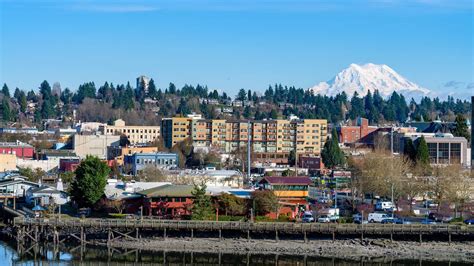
22	101
422	154
152	89
461	129
241	95
6	111
172	88
332	154
5	90
202	205
47	110
91	178
357	107
410	150
273	114
249	95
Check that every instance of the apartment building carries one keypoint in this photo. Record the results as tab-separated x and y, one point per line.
271	140
177	129
135	134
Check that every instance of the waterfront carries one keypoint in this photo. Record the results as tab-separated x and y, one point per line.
77	255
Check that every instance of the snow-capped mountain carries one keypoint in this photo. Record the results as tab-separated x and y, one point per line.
362	78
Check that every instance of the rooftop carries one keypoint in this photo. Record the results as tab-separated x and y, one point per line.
168	191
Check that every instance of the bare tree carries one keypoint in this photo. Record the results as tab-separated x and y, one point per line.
151	174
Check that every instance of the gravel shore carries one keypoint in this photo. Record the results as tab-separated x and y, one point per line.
344	249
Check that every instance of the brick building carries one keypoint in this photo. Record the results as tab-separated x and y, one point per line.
358	131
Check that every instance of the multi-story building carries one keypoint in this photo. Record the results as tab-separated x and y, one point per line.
271	140
139	161
135	134
117	153
177	129
443	148
358	132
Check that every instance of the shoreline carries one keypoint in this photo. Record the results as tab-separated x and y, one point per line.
344	249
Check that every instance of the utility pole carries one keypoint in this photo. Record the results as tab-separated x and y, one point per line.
248	150
391	140
392	202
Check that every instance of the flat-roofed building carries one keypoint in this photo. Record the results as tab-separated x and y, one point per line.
117	153
135	134
271	140
95	145
443	148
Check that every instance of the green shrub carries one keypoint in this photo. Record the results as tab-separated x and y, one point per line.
456	220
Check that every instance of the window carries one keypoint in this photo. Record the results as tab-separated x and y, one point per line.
455	153
432	150
443	153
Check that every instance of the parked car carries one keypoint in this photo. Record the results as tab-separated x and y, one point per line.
324	219
377	217
308	217
469	221
384	206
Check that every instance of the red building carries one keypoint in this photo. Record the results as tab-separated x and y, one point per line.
20	149
68	165
168	201
359	132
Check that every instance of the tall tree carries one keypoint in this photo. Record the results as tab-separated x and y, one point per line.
422	154
332	154
202	205
461	129
357	107
241	95
6	111
91	178
152	89
410	150
5	90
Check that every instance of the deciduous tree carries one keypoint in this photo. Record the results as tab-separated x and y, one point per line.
91	178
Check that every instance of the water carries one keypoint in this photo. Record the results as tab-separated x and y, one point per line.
70	255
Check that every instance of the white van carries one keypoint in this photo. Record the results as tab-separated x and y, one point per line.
377	217
384	206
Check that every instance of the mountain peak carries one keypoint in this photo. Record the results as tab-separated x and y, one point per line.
362	78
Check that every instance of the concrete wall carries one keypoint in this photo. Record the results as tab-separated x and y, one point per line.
95	145
7	162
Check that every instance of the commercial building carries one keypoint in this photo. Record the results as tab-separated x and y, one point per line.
95	145
168	201
271	140
139	161
292	189
20	149
443	148
117	153
357	131
135	134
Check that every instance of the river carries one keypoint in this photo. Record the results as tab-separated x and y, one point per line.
69	255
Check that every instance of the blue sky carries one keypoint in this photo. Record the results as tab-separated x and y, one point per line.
233	44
